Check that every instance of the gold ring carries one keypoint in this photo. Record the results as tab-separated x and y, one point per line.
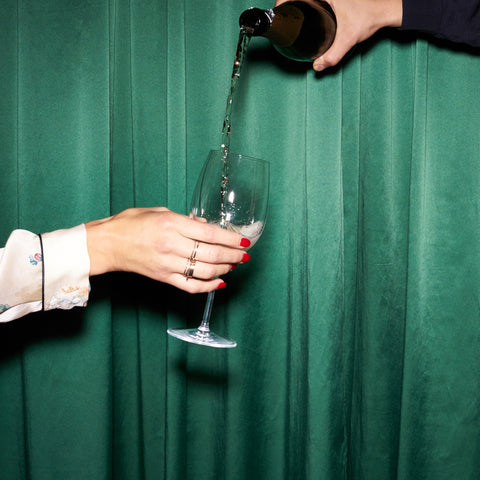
195	250
188	272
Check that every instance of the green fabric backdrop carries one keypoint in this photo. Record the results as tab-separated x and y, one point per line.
358	318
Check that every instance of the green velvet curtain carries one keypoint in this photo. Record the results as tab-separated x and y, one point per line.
358	318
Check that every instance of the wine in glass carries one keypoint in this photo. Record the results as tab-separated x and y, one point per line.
232	192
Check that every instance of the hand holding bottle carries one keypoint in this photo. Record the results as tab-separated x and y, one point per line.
357	20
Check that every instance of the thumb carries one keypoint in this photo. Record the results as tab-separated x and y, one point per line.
332	56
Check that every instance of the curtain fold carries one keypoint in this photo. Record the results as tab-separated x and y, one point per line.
357	320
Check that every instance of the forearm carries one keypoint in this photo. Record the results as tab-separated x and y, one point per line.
43	273
20	275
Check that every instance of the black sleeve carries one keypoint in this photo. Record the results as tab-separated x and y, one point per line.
455	20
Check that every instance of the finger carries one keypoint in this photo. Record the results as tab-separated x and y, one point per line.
213	234
218	254
208	253
201	270
196	286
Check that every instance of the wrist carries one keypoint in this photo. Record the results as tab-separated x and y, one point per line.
391	12
100	247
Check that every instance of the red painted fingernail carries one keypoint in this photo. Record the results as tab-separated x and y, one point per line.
245	258
234	266
245	242
221	285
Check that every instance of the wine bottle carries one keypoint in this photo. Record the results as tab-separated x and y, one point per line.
300	30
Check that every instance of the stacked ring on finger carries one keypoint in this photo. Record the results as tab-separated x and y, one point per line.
188	272
189	269
194	251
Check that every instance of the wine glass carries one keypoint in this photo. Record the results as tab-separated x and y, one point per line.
232	192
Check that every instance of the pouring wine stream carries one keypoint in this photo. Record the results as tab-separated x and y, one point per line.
243	198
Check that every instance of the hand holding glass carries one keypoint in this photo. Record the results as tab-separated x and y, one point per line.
232	192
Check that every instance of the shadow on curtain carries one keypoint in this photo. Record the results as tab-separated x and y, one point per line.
357	319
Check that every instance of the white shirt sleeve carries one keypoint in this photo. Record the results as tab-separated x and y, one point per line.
33	278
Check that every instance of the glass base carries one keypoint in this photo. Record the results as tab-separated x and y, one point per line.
194	335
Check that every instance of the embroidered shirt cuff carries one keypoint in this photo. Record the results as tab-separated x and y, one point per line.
67	268
20	276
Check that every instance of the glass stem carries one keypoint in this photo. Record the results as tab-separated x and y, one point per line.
204	326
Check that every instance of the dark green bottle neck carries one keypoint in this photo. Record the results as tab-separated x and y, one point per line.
256	22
